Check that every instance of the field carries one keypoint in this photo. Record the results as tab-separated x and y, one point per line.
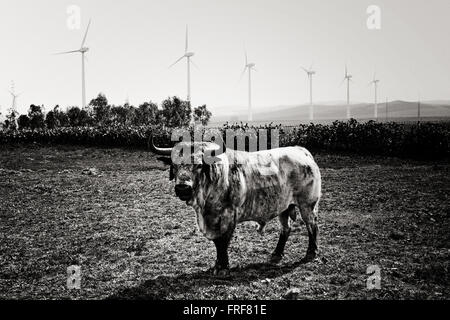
133	239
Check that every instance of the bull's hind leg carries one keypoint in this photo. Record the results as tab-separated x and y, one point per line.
309	213
278	253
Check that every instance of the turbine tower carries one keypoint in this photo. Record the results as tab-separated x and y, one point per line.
347	77
387	106
310	73
82	50
418	108
249	66
375	86
188	55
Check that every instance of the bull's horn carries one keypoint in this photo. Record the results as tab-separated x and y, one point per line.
160	151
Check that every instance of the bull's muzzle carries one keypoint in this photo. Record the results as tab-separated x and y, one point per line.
183	191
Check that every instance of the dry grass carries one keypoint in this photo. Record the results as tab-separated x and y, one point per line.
133	239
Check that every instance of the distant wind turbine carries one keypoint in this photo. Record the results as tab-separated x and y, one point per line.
249	66
375	86
14	100
387	106
82	50
310	73
14	97
188	55
347	77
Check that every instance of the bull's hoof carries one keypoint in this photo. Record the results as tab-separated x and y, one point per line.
275	258
310	257
220	272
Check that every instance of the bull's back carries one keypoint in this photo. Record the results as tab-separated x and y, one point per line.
275	179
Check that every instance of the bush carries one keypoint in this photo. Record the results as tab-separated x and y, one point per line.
426	140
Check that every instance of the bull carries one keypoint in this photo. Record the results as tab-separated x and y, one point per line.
237	188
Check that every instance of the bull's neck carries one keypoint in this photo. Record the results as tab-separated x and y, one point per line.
215	188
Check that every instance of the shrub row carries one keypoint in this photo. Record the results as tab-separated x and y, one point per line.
426	140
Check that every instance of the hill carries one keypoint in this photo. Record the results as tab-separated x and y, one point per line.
326	112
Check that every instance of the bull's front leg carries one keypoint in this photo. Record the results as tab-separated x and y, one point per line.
221	268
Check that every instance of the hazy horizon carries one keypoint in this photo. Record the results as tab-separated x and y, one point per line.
132	44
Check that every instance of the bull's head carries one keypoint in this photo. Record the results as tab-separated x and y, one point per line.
190	163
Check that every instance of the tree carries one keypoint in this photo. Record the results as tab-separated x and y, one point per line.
130	114
101	109
202	114
61	118
36	117
23	121
100	101
50	120
146	113
176	112
10	122
78	117
118	115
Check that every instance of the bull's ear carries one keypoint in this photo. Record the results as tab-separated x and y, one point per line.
171	173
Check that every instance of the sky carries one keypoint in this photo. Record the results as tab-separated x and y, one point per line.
133	42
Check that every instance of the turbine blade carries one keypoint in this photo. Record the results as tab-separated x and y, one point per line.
176	62
305	69
242	73
66	52
246	60
194	64
85	34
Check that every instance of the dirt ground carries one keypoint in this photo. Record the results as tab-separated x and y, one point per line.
134	240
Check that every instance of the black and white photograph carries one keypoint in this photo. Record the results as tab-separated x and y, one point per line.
251	150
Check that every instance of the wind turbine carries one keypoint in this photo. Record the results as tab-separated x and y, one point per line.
82	50
14	96
375	86
14	100
249	66
310	73
188	55
347	77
